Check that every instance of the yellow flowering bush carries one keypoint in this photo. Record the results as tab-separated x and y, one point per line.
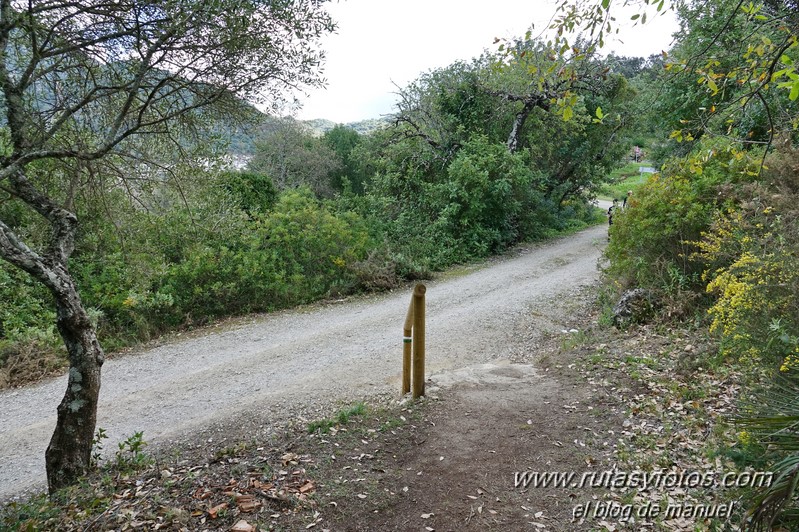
712	229
791	361
753	274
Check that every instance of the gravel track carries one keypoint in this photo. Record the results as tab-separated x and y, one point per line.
323	352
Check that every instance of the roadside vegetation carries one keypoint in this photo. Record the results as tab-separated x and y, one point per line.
711	241
322	216
482	154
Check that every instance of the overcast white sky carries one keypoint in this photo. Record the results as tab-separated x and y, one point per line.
383	43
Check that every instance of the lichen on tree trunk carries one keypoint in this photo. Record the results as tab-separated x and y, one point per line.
68	455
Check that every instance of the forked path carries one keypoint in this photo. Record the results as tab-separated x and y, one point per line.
340	350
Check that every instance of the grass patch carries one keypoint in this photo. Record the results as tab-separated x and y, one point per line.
342	418
628	177
574	339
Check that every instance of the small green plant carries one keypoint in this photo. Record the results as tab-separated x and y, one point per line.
356	410
130	454
342	418
390	424
596	358
571	340
320	425
267	471
97	446
676	280
230	452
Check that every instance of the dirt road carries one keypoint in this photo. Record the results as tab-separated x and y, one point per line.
338	350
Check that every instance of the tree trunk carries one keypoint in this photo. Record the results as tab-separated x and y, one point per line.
514	137
68	456
530	103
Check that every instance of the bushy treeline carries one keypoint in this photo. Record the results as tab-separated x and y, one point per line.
478	157
153	271
715	229
715	235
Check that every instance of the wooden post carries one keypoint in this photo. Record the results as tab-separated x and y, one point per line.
418	340
406	349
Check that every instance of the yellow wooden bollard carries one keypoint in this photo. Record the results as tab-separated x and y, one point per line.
418	340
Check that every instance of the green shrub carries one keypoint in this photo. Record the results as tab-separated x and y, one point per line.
384	269
117	287
27	311
484	200
253	192
298	252
652	240
483	197
752	270
312	245
30	347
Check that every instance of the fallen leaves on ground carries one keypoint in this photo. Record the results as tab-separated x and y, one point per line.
677	419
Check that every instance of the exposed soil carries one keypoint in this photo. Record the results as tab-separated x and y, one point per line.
461	470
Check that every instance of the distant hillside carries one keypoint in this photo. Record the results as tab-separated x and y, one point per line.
242	135
364	127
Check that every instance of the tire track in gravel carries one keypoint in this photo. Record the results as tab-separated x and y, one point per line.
329	351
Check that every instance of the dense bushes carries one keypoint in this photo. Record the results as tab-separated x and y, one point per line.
298	251
486	192
753	268
710	228
483	201
653	240
29	345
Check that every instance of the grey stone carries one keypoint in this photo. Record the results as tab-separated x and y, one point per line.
634	306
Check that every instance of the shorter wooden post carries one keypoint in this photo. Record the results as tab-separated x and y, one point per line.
406	350
418	340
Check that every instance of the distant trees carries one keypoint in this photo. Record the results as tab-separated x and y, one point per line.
292	157
89	89
733	72
534	100
632	67
344	141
